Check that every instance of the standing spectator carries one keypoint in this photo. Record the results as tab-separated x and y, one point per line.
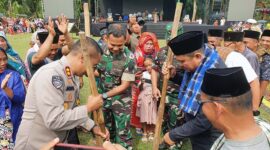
147	104
251	39
234	41
222	21
227	103
12	96
147	48
14	60
264	57
215	23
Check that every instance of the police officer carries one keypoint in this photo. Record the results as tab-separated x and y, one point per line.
52	93
173	116
117	72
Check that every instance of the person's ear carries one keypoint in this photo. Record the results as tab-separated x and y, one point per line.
198	55
106	38
219	109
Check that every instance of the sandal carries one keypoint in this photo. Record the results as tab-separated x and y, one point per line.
151	136
144	138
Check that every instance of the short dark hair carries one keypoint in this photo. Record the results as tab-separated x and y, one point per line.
2	50
192	54
117	30
90	44
241	103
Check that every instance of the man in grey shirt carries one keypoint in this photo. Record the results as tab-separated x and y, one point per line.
227	103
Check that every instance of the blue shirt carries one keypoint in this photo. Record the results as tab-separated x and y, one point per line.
15	105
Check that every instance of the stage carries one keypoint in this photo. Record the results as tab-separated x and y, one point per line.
159	28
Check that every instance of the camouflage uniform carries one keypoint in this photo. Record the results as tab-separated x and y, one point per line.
112	69
173	117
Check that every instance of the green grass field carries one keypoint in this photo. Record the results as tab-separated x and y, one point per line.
20	43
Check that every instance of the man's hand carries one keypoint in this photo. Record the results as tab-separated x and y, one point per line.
94	102
107	145
156	93
167	139
166	69
50	145
5	81
50	27
62	24
97	131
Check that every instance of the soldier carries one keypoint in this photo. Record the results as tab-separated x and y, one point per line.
116	72
103	33
49	106
173	116
136	30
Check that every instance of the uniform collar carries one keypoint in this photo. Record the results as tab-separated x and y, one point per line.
109	53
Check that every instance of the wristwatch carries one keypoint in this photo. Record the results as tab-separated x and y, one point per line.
256	112
104	96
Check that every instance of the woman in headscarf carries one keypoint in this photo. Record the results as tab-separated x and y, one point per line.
12	96
14	60
147	48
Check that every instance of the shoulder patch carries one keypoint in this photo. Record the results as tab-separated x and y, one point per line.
57	81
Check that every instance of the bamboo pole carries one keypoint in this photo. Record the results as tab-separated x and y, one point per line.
194	11
169	60
86	19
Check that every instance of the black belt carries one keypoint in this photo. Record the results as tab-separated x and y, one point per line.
147	81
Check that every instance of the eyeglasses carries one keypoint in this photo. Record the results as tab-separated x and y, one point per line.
212	101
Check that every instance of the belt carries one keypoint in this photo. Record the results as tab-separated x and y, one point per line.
147	81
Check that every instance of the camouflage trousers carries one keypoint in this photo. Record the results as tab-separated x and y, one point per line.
173	116
117	119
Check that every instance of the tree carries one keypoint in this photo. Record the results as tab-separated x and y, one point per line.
32	8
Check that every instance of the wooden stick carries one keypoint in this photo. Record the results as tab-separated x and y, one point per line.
86	19
194	10
98	115
75	146
169	60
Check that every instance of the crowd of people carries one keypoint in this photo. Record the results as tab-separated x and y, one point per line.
20	25
145	15
217	82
